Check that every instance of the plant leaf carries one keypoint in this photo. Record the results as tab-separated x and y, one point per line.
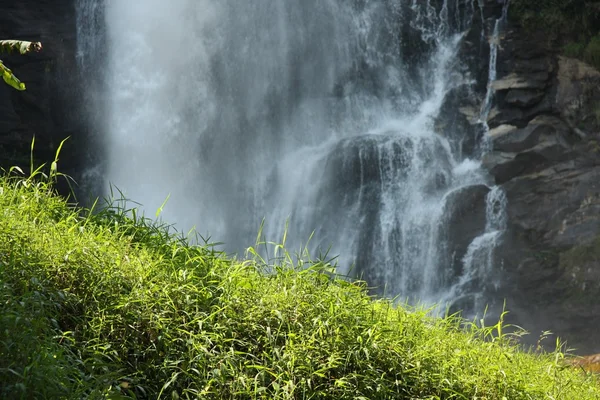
22	46
10	78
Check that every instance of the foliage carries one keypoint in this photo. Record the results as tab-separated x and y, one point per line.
574	24
574	19
591	54
21	46
588	51
107	304
574	49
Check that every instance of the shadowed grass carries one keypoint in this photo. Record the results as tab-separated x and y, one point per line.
111	305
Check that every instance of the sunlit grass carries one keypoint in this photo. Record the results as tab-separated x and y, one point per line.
108	304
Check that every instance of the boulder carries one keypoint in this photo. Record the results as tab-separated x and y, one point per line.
541	130
543	142
524	97
355	174
502	116
370	180
367	160
502	166
535	81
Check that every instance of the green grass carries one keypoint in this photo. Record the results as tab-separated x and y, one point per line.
109	305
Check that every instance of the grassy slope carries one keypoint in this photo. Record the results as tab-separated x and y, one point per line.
106	306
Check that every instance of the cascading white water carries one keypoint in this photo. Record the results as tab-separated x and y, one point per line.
478	260
320	112
494	41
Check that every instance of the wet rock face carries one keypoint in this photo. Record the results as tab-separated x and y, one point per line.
465	210
365	171
545	131
47	109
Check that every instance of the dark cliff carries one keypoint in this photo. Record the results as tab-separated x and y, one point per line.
50	107
545	130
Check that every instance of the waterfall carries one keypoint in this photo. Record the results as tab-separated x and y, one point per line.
317	112
478	260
